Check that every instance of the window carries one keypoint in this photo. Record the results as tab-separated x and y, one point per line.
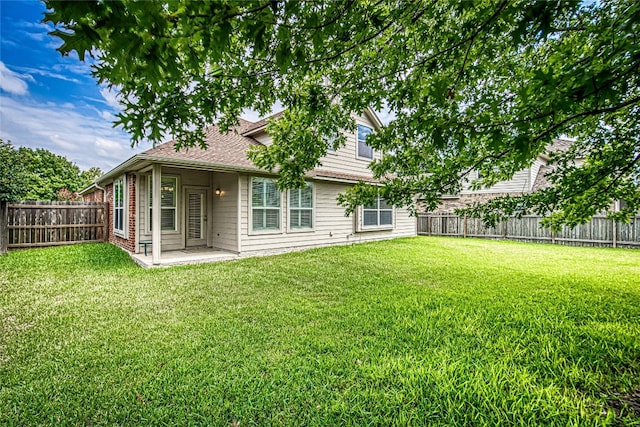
364	150
330	145
377	214
265	205
168	204
301	207
118	205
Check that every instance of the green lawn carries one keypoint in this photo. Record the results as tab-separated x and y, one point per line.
419	331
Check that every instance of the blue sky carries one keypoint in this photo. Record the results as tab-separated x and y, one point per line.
52	102
48	101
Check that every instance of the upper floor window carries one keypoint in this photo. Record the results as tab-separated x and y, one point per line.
364	150
119	199
301	207
377	214
330	146
168	204
265	205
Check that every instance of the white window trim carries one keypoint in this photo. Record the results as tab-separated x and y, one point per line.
124	233
176	230
313	212
364	228
373	152
250	229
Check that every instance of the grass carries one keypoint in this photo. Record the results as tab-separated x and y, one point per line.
419	331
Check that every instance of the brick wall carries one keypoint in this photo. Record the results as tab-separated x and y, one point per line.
130	243
450	204
94	196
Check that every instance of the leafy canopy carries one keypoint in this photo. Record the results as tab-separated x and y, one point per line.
483	85
39	174
12	174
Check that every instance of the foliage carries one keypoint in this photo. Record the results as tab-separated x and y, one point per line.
387	333
64	195
91	174
12	174
48	173
483	85
39	174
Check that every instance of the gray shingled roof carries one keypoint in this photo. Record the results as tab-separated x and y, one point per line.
558	145
230	150
222	149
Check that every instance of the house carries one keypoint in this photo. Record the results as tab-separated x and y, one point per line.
524	181
217	199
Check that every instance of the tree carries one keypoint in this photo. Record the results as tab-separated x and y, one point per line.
90	175
47	173
12	185
470	85
12	173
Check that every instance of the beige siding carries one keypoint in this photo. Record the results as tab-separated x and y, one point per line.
263	138
331	226
535	169
345	159
518	184
171	240
224	216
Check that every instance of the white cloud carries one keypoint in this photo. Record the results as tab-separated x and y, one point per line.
40	29
5	41
13	82
80	135
46	73
110	97
37	25
74	66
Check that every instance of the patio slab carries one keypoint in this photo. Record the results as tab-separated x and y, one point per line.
185	257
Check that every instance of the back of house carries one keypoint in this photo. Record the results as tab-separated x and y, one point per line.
217	198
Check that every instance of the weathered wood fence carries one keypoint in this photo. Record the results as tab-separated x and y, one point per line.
599	231
34	224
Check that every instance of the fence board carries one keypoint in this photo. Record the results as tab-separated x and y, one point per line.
36	224
600	231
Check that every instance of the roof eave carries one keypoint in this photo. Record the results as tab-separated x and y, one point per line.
255	131
120	169
88	188
199	163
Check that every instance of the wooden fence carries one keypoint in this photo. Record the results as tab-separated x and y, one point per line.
33	224
599	231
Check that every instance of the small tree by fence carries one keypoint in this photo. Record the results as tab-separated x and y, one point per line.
597	232
34	224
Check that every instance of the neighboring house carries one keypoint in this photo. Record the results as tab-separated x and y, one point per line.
217	198
524	181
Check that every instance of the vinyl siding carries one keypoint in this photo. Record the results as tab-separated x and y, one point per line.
518	184
224	215
535	169
330	225
172	240
345	159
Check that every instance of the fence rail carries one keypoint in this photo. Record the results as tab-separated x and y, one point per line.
600	231
35	224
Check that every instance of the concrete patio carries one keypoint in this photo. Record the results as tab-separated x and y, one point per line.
184	257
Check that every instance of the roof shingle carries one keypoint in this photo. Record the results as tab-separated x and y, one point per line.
228	149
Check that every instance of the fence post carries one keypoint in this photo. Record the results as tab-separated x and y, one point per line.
504	229
4	230
105	216
464	227
615	233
